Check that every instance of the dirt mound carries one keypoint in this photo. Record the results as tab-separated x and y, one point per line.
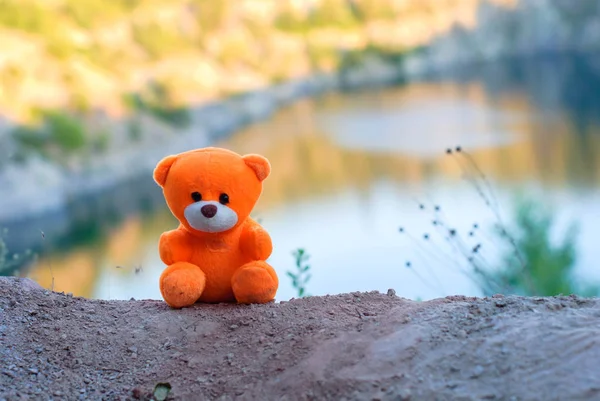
359	346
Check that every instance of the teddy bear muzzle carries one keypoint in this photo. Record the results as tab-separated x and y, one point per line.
208	211
210	216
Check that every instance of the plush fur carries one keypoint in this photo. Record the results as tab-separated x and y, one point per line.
218	253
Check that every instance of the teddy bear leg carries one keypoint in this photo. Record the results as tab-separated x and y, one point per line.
181	284
255	282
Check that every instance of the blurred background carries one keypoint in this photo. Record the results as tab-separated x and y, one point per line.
433	147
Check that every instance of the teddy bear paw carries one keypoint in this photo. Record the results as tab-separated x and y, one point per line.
254	282
181	284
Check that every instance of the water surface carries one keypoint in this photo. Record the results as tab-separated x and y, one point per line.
350	169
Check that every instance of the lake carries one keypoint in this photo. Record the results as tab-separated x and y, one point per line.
350	169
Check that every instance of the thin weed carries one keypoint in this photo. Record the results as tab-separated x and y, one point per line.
49	261
531	264
302	275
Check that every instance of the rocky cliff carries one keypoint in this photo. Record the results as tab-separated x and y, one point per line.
87	54
529	28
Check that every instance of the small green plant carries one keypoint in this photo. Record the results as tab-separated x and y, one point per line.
548	268
302	275
65	131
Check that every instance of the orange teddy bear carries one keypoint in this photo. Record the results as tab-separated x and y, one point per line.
218	253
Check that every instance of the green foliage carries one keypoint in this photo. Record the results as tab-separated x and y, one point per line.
302	274
156	101
118	36
336	13
35	17
103	56
368	10
59	134
290	22
90	13
210	14
65	131
156	40
59	45
532	263
356	58
31	17
330	14
25	15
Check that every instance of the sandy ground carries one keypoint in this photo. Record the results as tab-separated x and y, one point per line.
359	346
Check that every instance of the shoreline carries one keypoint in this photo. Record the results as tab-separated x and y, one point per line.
73	196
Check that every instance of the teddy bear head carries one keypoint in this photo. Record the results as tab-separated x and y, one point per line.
211	190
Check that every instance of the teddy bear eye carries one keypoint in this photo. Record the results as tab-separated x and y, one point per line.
224	199
196	196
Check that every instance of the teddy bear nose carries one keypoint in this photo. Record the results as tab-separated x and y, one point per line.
208	211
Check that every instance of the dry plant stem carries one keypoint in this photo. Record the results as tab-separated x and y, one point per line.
441	217
462	248
495	211
440	224
473	181
443	259
425	252
471	161
49	261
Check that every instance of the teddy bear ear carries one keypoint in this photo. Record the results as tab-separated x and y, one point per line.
162	169
260	165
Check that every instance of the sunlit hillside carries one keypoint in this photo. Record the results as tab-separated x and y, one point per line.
87	54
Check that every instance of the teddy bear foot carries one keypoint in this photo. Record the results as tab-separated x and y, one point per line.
254	282
181	284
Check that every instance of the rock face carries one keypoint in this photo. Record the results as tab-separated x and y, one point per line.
528	28
359	346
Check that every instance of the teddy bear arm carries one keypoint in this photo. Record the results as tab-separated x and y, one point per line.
256	242
173	247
